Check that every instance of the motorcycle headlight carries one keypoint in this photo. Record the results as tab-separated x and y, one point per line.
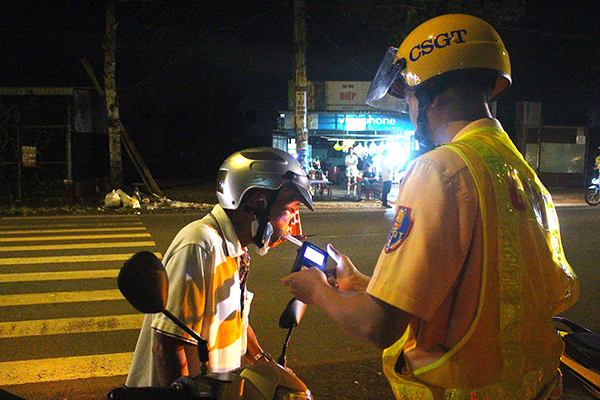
283	393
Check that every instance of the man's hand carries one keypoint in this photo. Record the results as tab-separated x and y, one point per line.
173	358
347	276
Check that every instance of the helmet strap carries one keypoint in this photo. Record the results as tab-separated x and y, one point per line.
425	95
263	219
421	133
265	238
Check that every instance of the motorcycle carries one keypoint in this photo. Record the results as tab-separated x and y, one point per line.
581	356
143	282
592	194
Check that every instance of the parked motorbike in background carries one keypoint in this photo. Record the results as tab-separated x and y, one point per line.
592	194
144	283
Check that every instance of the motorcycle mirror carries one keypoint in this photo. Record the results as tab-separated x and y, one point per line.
291	316
144	283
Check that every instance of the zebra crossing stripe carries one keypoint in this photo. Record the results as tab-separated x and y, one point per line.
77	246
66	259
59	297
73	230
67	368
59	275
60	326
74	237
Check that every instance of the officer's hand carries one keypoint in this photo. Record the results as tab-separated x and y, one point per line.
348	277
306	284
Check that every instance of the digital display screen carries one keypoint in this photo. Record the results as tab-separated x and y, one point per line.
314	256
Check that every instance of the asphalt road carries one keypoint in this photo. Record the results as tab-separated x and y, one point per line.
61	341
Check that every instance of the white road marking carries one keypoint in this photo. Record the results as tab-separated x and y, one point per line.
44	231
60	326
59	275
59	297
74	237
77	246
66	259
67	368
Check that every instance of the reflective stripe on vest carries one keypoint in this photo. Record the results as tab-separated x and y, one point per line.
511	350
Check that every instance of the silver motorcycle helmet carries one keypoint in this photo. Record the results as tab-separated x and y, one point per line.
260	167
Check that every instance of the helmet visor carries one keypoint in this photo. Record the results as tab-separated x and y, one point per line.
302	184
379	94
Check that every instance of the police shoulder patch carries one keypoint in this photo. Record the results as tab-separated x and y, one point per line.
400	229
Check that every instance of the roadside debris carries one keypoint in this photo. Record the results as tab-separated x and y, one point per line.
118	199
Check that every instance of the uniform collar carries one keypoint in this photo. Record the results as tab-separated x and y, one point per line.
228	231
465	127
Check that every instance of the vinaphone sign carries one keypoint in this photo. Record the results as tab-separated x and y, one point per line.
350	122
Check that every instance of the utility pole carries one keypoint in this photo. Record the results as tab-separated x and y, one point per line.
300	109
110	85
134	155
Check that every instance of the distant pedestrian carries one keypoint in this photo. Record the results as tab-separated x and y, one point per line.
386	177
351	162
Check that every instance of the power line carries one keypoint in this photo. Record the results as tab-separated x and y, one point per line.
335	45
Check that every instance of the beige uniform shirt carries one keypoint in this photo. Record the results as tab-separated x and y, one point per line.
431	264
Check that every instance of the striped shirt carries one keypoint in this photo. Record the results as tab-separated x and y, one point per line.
202	263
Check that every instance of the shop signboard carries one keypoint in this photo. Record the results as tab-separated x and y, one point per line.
333	95
352	122
346	96
363	122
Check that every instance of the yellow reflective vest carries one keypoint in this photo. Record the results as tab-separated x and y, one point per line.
511	350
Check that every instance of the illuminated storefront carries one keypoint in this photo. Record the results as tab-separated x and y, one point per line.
338	118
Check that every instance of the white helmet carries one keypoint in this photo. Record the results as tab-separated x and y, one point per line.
260	167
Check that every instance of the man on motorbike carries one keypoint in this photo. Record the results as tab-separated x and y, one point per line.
463	293
259	192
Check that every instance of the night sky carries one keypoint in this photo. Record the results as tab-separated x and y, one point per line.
226	73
